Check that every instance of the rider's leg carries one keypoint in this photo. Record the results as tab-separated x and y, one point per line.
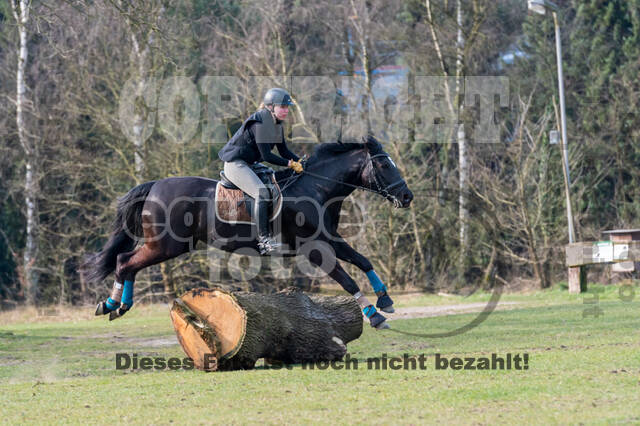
266	243
376	319
244	178
345	252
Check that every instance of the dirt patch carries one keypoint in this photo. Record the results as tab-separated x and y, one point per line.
157	343
149	342
442	310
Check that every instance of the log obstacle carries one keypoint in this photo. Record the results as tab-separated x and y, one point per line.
222	330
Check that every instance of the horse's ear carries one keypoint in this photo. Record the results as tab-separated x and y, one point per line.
371	142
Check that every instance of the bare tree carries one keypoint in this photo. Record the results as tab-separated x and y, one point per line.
463	215
21	9
519	195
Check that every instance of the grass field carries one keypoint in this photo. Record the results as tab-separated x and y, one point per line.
580	370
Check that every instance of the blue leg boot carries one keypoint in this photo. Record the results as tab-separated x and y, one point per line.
113	302
384	302
127	301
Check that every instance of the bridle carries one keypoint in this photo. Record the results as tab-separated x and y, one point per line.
385	191
379	188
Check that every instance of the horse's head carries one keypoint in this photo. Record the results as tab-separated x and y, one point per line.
381	175
358	165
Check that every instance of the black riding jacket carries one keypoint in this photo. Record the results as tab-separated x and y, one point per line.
255	139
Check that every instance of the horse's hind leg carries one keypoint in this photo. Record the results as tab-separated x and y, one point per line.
129	264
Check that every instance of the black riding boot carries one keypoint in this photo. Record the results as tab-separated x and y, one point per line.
266	243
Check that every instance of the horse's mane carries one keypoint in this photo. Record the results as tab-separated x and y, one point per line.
331	149
328	150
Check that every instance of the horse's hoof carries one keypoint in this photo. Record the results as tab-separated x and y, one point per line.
102	309
376	320
383	326
385	303
117	313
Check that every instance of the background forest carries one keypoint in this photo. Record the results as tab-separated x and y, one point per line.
483	212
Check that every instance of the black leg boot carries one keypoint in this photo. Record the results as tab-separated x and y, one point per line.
266	243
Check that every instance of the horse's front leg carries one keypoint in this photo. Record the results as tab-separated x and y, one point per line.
347	253
335	271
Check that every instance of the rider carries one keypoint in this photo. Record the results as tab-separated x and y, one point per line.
252	143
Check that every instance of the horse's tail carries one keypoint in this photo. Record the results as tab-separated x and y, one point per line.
126	228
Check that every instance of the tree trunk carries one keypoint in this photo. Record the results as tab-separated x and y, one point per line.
21	15
139	119
462	142
360	20
142	43
231	331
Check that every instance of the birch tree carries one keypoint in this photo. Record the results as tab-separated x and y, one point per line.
143	23
463	213
465	35
21	10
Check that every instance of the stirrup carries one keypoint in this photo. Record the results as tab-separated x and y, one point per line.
267	244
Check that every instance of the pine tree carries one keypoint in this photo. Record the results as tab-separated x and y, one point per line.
604	69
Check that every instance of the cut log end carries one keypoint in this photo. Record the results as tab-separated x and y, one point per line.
193	341
222	313
210	325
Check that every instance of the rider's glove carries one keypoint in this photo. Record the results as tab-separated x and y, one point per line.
296	166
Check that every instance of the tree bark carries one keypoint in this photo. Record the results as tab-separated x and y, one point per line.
140	55
21	14
231	331
462	141
360	25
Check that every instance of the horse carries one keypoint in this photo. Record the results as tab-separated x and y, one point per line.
169	216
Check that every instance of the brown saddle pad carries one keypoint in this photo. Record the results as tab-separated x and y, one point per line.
231	207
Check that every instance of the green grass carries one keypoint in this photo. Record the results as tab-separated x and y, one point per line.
581	370
552	296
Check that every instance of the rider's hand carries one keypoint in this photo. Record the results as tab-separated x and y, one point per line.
296	166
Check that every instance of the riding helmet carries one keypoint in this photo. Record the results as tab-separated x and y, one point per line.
277	96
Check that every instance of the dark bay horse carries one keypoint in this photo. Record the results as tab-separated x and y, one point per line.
170	216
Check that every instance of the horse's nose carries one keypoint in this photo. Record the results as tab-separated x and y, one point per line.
407	197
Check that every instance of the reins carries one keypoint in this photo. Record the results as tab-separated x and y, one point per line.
384	191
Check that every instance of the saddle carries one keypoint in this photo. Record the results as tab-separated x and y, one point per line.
235	207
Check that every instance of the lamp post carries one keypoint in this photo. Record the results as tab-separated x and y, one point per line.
541	7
